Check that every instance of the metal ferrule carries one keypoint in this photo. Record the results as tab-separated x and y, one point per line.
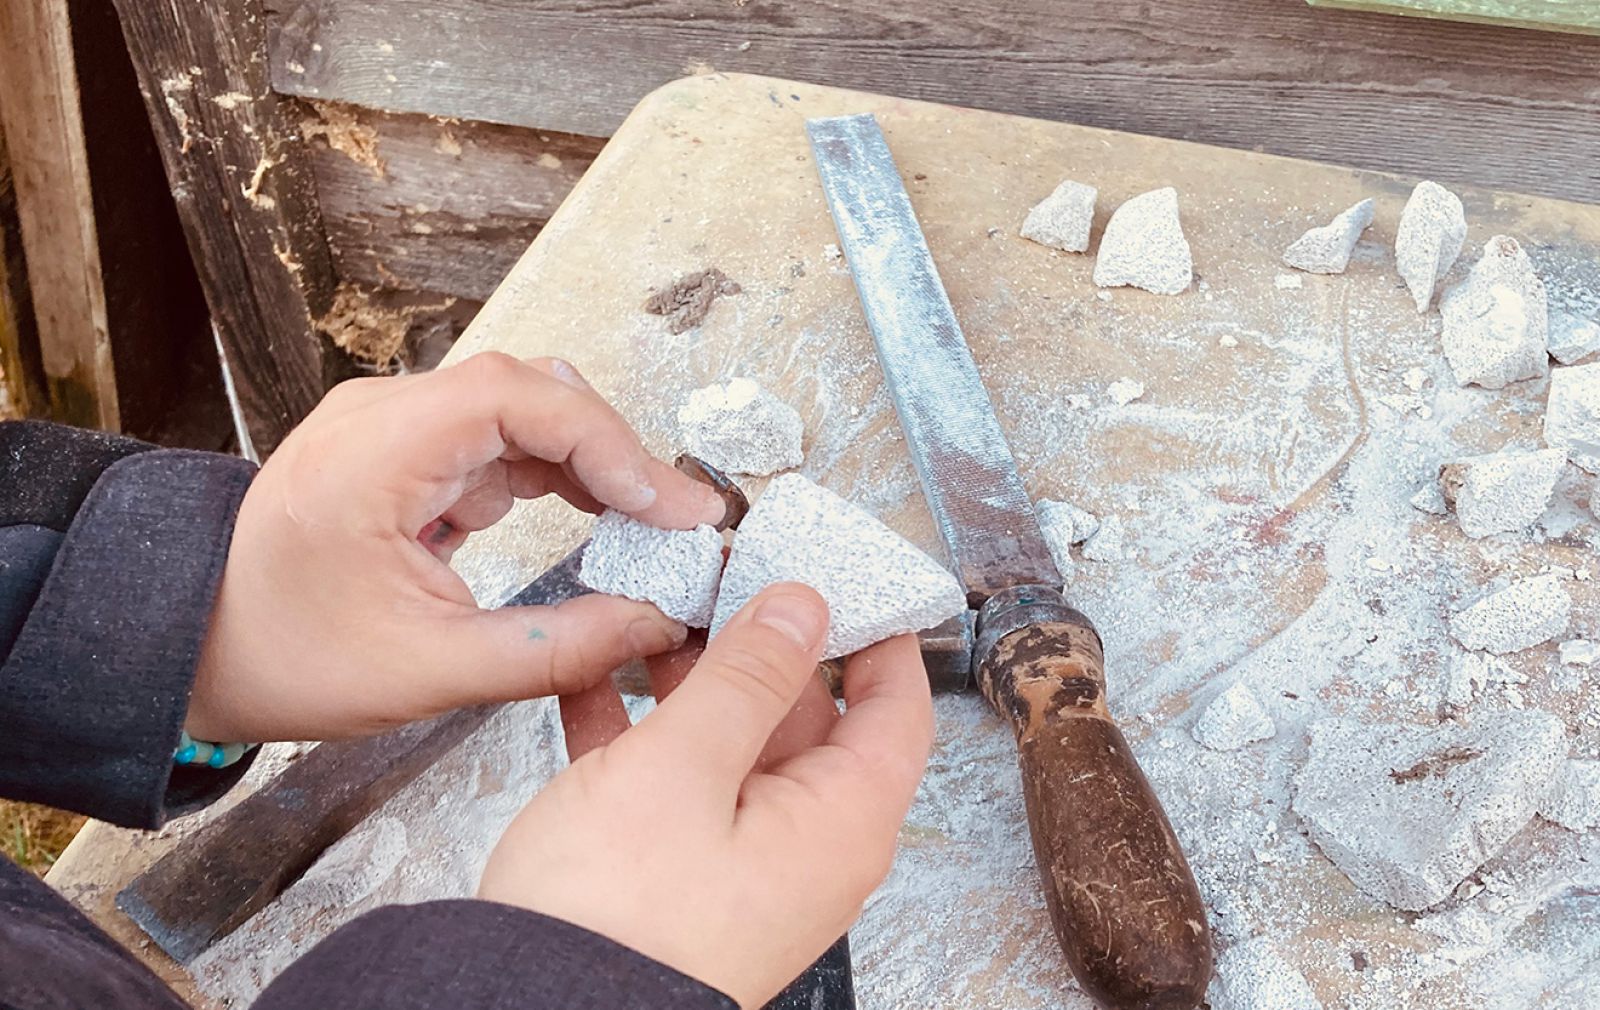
1015	608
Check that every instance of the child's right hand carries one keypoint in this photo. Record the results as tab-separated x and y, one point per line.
703	841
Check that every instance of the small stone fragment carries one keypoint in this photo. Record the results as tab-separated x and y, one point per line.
1579	652
1572	338
1252	976
876	582
687	300
1520	616
1572	414
1233	719
1143	246
1061	220
1433	228
1574	802
677	570
1496	321
832	252
1227	340
1501	492
1064	524
1326	250
1469	672
1430	499
739	427
1288	282
1109	542
1407	812
1124	391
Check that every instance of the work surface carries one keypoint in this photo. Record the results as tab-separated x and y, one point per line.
1263	480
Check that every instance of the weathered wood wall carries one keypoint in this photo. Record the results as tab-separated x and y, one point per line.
1464	103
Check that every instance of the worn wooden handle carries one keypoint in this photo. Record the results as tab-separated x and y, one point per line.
1121	896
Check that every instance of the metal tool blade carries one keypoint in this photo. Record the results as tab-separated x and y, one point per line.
967	471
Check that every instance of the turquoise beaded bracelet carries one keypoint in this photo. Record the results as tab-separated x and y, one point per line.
213	755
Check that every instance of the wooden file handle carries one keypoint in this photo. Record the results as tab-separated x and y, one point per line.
1121	896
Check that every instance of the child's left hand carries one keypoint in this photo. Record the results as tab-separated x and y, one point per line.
338	614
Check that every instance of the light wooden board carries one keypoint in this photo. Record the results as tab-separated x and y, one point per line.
49	160
1259	484
1466	103
1552	15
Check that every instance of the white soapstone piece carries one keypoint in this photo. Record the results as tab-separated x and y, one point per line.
739	427
1407	812
1469	672
1079	522
1501	492
1143	246
1520	616
1124	391
1233	719
1574	802
1058	523
1579	652
831	252
1109	542
1496	321
1326	250
876	582
677	570
1288	282
1572	414
1430	499
1061	220
1252	976
1433	228
1572	337
1227	340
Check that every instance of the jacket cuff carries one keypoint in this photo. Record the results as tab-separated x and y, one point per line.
96	688
483	955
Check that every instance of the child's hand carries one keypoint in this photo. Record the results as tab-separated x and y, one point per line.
338	615
706	841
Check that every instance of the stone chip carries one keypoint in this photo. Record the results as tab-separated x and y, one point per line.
1326	250
1233	720
1433	227
1407	812
1497	320
739	427
1144	247
1525	613
1062	219
1572	414
1501	492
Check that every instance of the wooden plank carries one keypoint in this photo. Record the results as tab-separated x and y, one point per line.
22	388
424	204
1459	102
247	200
1555	15
169	382
49	161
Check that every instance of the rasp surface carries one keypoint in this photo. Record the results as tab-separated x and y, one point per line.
967	471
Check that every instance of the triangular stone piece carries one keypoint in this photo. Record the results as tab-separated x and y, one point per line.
1407	812
1326	250
1143	246
876	582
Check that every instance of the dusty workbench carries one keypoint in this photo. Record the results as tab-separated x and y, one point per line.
1263	479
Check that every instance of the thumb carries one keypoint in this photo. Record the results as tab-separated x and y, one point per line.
747	681
529	652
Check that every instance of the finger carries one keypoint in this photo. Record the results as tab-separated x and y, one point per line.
667	670
876	754
745	683
485	501
808	724
528	652
534	478
474	411
592	718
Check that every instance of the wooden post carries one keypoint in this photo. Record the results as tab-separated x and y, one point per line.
22	391
49	161
247	200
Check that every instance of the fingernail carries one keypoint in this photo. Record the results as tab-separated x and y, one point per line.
796	618
564	371
715	509
646	637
